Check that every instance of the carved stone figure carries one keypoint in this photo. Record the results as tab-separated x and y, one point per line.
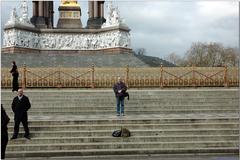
13	18
24	20
113	17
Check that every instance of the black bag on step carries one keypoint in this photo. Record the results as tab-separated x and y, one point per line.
117	133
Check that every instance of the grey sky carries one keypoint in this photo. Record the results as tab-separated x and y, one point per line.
163	27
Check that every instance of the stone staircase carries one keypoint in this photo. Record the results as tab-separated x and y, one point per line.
77	122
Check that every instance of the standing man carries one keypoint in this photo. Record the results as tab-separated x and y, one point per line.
20	106
4	133
15	75
119	90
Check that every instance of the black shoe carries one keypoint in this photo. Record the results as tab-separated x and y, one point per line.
14	137
28	137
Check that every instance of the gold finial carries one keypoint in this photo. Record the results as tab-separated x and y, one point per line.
69	3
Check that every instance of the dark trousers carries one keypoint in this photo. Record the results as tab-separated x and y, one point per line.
24	121
15	83
4	141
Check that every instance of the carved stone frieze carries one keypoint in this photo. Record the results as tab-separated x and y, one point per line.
66	41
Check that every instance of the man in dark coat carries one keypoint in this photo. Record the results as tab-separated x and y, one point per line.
20	106
15	75
119	90
4	133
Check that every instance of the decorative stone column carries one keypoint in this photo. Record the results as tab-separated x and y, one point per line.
96	14
102	9
35	8
51	13
95	9
90	9
35	12
46	9
40	22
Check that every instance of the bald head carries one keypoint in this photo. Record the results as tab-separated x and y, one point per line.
20	92
119	79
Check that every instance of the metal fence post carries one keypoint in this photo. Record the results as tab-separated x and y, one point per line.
59	77
161	76
24	85
127	75
225	76
92	70
193	76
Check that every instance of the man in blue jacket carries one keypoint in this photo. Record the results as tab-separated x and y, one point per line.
120	90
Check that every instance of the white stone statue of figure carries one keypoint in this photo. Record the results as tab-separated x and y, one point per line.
24	14
109	16
13	18
113	17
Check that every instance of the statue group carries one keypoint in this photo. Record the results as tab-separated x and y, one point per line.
103	39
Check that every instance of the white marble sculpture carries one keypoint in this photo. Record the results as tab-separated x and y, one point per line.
24	20
113	17
60	41
13	18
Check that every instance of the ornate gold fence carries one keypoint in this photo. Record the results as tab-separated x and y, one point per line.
133	77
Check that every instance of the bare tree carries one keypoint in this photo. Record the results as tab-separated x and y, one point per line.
141	51
197	54
230	57
174	58
210	55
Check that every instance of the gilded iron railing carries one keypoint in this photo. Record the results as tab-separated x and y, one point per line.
134	77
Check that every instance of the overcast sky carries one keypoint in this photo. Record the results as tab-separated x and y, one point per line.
164	26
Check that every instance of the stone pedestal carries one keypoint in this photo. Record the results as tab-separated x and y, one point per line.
69	17
41	22
95	23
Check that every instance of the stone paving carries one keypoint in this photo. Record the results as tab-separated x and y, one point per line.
140	157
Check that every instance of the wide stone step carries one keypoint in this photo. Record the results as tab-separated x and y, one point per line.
174	106
70	120
96	106
109	97
130	103
39	108
175	138
129	126
113	99
88	98
119	145
152	91
153	132
128	151
127	111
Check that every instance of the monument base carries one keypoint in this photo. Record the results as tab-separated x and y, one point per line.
69	23
19	50
117	50
95	23
41	22
17	36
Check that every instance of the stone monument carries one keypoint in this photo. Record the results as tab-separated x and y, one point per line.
39	35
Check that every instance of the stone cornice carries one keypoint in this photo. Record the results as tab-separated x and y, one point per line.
57	30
